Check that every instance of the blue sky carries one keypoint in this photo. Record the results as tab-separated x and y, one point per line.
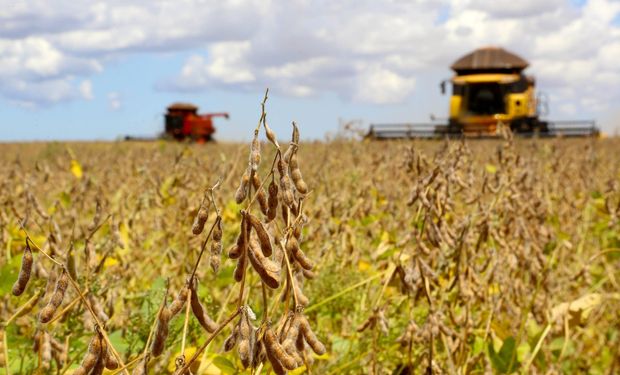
102	70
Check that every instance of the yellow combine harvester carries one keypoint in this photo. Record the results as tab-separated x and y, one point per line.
489	90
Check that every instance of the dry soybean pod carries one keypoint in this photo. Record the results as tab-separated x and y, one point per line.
292	246
92	356
107	359
291	349
48	311
266	269
285	182
308	274
177	305
242	190
245	339
271	135
46	350
99	367
301	297
272	200
161	332
316	345
291	336
295	135
255	153
238	249
286	156
285	326
234	252
293	328
297	230
231	340
217	231
276	366
199	221
240	268
216	246
242	244
198	309
260	194
295	173
273	347
262	234
24	272
300	343
259	354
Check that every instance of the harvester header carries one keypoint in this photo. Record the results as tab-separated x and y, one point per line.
489	90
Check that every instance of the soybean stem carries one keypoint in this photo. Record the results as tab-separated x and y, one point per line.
211	337
204	246
290	273
188	303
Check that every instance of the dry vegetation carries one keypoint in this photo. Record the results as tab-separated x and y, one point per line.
391	257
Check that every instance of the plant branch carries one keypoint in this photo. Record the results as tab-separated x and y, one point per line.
209	339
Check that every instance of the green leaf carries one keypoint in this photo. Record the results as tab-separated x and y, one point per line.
158	285
478	346
341	345
117	340
505	361
8	274
225	365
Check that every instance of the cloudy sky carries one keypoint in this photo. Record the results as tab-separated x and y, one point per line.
78	69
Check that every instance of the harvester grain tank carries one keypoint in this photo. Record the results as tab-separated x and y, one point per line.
489	90
182	121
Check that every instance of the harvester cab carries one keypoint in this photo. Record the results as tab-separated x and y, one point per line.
489	90
182	121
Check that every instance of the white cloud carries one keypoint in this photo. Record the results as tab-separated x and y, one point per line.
37	93
38	58
512	8
46	44
379	85
226	66
114	101
371	51
34	72
86	90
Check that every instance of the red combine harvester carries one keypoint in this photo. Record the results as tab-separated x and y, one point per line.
184	122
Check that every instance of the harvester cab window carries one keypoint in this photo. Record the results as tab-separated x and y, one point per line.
485	99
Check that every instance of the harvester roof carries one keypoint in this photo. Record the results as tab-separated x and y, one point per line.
182	107
489	59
